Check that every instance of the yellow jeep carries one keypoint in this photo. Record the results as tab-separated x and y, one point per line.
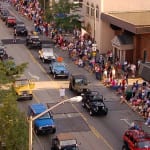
23	89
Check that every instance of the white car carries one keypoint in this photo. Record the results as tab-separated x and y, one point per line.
46	54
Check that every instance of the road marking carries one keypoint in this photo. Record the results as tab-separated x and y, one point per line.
40	66
126	121
93	129
36	98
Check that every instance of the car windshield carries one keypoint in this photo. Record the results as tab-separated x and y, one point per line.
73	147
45	116
1	51
143	144
35	39
80	81
21	82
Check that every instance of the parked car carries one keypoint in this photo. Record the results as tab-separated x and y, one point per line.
93	101
10	21
58	69
44	124
46	54
64	141
4	14
136	139
21	29
3	54
33	41
78	83
24	89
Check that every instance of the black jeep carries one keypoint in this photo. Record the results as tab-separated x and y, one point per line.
93	101
33	41
21	29
3	54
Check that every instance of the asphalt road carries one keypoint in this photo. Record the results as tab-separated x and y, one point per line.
92	133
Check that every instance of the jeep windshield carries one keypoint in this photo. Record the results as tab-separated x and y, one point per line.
72	147
143	144
21	82
1	51
80	81
45	116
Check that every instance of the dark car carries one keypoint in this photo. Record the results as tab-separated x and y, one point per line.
3	54
4	14
21	29
78	83
33	41
136	139
93	101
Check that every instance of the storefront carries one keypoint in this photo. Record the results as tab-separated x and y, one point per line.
132	35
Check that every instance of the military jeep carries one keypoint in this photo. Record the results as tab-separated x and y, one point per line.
78	83
64	141
23	88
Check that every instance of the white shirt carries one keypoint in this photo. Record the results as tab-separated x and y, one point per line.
62	92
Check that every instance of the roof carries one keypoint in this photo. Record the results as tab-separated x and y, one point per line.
136	22
77	76
38	108
65	136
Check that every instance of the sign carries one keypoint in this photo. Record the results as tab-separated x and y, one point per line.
94	46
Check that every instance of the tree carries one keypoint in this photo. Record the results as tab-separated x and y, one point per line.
14	128
63	15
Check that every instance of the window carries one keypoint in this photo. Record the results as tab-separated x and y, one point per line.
87	9
97	12
92	10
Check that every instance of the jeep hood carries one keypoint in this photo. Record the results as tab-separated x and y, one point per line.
44	122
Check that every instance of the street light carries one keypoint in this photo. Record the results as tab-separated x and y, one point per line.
31	119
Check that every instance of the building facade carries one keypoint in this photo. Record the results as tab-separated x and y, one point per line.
120	26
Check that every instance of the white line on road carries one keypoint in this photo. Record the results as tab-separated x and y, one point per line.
126	121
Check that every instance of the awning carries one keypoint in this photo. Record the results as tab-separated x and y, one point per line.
135	22
123	42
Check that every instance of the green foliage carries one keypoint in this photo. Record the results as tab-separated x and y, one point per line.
9	71
65	9
14	128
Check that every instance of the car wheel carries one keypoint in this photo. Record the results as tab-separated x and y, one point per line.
83	105
70	87
43	60
54	76
106	111
31	97
50	70
54	130
36	131
124	147
91	113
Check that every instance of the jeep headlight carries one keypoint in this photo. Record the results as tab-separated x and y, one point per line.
57	71
95	108
40	128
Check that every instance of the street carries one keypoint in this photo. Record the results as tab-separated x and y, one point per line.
92	133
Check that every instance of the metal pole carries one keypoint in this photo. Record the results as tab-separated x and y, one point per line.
30	133
44	7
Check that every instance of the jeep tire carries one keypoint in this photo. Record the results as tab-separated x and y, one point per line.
54	130
70	87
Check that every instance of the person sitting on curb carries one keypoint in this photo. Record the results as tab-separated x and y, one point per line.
148	120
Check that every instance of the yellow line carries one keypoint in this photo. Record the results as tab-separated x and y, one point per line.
93	130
